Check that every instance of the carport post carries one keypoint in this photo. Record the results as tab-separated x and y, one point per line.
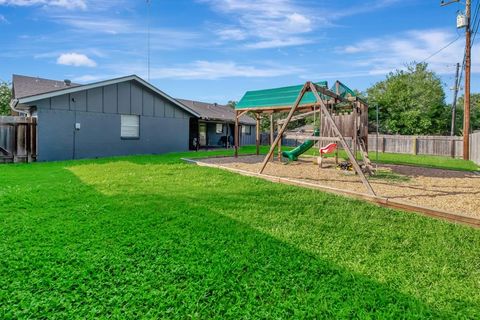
257	133
236	134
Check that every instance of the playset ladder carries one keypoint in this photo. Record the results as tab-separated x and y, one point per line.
366	160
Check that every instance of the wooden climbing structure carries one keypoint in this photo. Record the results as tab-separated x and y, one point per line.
342	116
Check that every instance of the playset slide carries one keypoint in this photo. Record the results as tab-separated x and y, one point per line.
292	155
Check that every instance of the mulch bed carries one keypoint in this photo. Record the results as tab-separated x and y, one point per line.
452	191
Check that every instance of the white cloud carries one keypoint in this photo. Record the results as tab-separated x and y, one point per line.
281	23
211	70
67	4
232	34
3	19
93	77
76	60
265	23
278	43
97	24
384	54
365	7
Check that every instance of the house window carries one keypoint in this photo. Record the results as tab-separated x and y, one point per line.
219	128
130	126
247	130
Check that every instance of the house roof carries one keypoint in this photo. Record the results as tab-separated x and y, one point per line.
213	111
24	86
35	93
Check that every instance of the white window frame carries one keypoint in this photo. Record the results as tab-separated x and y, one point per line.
129	126
217	126
245	131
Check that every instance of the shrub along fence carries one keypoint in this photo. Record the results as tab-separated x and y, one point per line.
18	139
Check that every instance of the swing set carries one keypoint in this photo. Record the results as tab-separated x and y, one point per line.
341	114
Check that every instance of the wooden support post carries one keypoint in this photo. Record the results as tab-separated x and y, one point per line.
355	129
34	137
272	135
257	134
241	113
279	145
28	140
337	132
14	142
414	146
284	126
236	134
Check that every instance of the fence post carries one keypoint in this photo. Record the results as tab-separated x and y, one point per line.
452	147
414	145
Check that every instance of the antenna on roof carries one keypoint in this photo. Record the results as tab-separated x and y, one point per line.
148	40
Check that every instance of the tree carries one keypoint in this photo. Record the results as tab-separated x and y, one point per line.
232	104
5	97
474	114
410	101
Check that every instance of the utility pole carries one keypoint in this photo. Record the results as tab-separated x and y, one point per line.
466	106
454	104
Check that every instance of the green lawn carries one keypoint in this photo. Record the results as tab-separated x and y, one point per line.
153	237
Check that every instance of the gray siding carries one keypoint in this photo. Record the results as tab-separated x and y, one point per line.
99	111
95	100
110	99
78	101
136	99
246	139
213	136
123	90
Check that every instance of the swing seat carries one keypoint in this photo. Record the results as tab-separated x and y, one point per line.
329	148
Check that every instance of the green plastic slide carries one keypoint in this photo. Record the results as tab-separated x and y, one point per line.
292	155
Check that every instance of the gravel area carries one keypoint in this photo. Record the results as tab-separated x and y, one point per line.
452	191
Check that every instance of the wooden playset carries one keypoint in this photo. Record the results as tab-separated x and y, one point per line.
342	122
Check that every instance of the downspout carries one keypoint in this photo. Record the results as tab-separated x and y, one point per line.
13	105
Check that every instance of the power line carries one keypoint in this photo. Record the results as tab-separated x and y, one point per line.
476	22
440	50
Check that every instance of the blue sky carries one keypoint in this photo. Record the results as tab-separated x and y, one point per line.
216	50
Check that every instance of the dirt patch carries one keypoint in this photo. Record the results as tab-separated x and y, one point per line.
447	190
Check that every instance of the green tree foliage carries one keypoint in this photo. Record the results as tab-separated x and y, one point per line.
410	101
474	114
5	97
231	104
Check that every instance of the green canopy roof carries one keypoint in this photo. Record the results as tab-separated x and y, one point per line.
284	96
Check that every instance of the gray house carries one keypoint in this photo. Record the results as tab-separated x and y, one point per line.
121	116
216	124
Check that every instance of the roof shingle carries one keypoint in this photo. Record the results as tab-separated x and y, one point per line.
213	111
24	86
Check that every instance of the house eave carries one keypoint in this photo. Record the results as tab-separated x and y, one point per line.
32	98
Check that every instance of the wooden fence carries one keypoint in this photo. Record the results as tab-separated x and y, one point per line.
18	139
425	145
428	145
475	147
